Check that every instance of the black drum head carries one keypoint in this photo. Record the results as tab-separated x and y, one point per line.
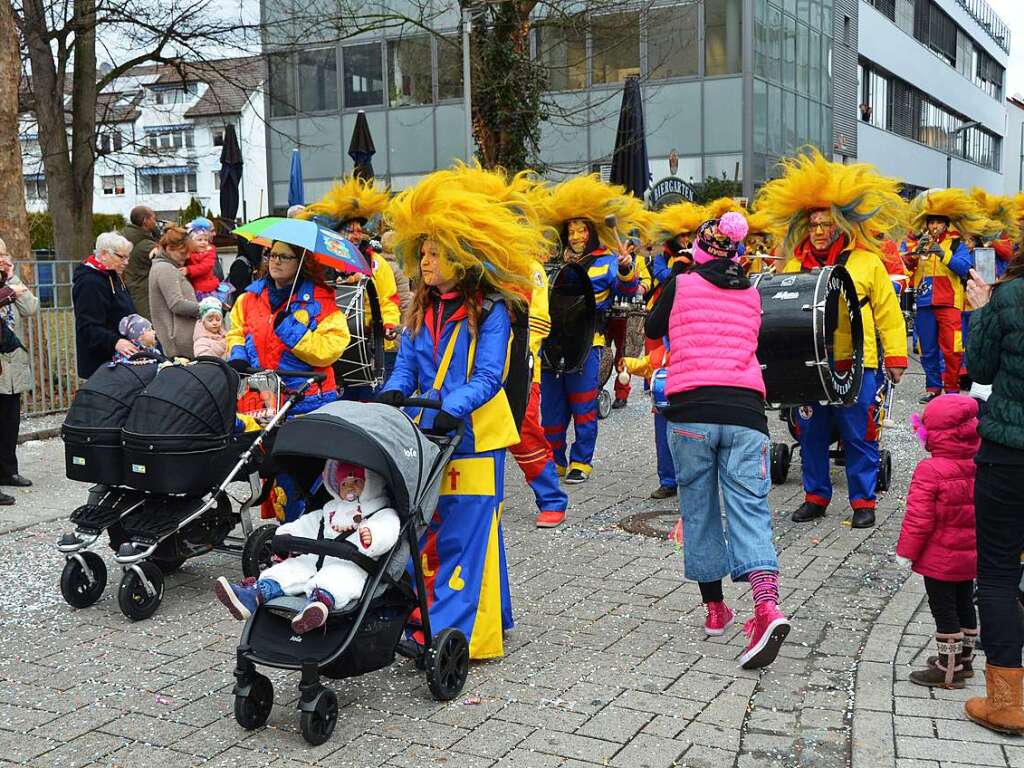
573	320
843	338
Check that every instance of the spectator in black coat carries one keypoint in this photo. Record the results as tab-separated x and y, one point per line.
101	299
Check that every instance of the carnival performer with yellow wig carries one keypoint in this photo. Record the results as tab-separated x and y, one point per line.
472	258
1005	213
347	207
759	247
524	194
675	226
832	215
941	261
579	210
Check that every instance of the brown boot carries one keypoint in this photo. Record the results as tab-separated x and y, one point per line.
1000	710
966	657
947	672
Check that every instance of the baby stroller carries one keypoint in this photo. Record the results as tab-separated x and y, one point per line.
161	448
363	635
782	453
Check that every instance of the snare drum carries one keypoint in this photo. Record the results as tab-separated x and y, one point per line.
811	345
362	362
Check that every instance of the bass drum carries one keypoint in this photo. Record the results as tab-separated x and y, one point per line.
573	320
362	362
811	345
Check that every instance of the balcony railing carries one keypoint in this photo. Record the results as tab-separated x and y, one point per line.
989	21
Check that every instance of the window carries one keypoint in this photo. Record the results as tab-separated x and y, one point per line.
217	136
562	49
988	75
789	52
886	7
672	46
216	181
318	80
964	55
409	78
171	183
723	31
615	47
905	15
802	59
112	185
364	80
936	30
35	187
449	68
774	44
905	109
282	85
109	141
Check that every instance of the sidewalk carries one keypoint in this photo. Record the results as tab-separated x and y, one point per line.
607	666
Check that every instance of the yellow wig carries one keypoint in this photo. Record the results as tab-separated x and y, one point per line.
353	198
483	239
758	223
723	205
965	215
590	199
863	203
679	219
1001	209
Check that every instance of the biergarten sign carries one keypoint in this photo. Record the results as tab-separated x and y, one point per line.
669	190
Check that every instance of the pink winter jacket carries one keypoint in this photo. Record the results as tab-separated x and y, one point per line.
938	527
713	337
208	344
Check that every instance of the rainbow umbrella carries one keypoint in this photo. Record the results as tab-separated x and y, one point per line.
325	245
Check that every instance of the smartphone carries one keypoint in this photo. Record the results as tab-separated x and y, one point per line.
985	264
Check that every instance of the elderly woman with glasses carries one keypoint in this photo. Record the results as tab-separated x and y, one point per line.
287	319
100	300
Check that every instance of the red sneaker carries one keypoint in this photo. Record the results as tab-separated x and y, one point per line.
766	632
550	518
720	616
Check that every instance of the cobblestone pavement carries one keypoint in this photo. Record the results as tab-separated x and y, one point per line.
607	665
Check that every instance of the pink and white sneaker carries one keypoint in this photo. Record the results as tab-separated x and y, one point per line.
719	617
313	616
766	632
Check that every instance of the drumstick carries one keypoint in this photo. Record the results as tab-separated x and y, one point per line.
611	222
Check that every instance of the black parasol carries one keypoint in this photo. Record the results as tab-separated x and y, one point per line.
230	175
629	161
361	148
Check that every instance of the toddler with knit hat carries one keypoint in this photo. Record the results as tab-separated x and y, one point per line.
208	338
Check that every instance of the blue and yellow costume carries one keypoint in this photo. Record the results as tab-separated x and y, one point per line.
310	334
861	204
456	348
565	396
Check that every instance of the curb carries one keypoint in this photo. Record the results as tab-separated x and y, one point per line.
39	434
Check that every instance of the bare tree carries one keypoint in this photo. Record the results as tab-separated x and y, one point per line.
61	40
13	221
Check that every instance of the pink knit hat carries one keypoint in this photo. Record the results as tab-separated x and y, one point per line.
720	238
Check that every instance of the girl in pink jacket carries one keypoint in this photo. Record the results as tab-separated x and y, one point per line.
937	537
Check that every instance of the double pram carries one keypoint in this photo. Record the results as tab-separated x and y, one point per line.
161	446
363	635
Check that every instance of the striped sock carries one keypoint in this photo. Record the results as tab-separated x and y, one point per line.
764	586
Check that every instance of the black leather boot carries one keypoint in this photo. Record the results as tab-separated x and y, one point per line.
808	511
863	518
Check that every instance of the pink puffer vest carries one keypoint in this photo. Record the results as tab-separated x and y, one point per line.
713	337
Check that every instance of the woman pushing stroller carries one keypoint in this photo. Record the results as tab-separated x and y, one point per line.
472	257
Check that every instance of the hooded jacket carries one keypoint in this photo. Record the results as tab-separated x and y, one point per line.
206	343
938	528
136	276
172	302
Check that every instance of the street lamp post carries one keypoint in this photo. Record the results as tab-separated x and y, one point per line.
467	90
949	152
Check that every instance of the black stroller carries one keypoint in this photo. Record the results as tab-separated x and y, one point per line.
365	634
162	449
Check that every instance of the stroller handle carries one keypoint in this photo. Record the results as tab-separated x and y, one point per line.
435	405
313	376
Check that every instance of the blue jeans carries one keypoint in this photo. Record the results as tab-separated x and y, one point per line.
707	456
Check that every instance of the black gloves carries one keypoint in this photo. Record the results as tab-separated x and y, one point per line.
242	366
391	397
445	422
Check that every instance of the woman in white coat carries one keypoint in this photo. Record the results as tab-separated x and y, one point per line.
15	371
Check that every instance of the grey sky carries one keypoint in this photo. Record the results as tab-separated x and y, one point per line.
1012	12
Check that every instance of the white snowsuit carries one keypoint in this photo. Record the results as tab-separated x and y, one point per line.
343	579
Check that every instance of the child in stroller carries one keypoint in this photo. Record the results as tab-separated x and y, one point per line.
360	512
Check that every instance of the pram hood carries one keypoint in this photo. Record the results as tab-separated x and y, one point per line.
198	399
103	402
379	437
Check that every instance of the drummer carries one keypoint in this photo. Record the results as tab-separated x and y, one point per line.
759	249
347	207
829	213
580	209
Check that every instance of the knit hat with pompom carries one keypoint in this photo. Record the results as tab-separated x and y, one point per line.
720	238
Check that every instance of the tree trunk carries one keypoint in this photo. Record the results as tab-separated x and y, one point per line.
13	221
68	167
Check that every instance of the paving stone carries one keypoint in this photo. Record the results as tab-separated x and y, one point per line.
493	739
615	724
649	752
946	749
571	745
149	730
88	749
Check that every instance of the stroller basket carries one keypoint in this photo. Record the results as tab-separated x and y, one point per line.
179	436
92	429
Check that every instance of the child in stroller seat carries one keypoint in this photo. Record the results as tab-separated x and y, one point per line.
360	511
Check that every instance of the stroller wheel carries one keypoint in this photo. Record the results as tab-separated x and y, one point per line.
256	552
75	584
136	603
448	664
252	711
782	457
604	404
884	470
318	723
